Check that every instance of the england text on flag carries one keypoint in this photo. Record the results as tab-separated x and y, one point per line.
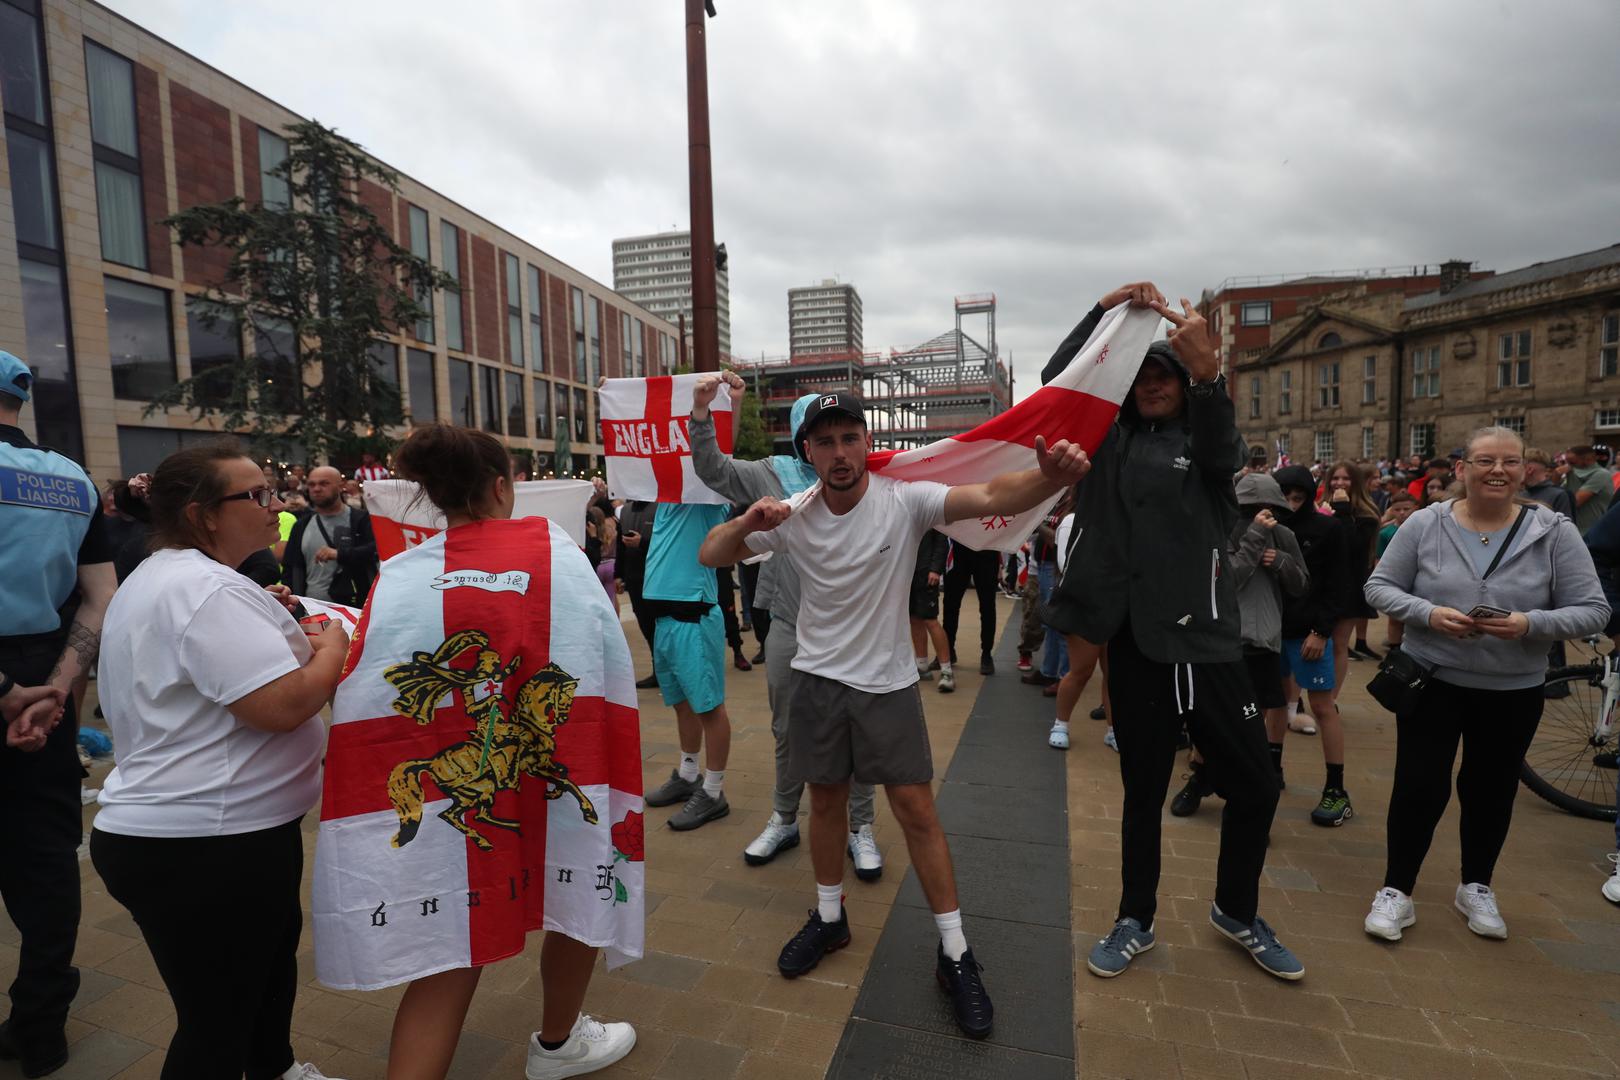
649	455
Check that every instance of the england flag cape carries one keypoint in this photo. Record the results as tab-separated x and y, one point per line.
483	773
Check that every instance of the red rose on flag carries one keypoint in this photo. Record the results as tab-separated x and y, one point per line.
629	837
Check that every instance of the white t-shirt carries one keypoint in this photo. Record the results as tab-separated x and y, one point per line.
184	637
855	574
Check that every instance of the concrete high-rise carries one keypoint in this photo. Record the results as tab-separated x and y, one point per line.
655	271
824	318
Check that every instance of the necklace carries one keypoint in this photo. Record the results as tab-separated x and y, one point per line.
1484	537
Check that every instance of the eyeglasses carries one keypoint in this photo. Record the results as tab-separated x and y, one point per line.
264	496
1489	463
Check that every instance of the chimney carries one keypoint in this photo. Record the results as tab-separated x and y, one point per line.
1453	272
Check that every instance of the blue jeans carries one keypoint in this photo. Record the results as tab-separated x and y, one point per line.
1055	653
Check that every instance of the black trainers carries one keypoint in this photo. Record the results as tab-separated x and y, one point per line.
649	683
1099	713
810	944
1189	798
672	791
40	1059
970	1002
987	666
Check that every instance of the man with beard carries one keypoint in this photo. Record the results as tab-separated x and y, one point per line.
331	554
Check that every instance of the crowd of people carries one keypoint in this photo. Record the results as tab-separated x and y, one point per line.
1221	594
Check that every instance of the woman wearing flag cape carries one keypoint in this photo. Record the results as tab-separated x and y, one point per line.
483	775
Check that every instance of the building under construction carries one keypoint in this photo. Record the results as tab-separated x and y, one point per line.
914	396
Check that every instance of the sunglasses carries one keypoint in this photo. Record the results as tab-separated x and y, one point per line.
262	495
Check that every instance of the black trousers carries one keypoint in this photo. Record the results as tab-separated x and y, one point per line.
728	607
645	619
221	915
39	855
982	570
1495	728
1151	701
761	617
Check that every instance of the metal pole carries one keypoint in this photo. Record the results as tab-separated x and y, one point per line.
705	306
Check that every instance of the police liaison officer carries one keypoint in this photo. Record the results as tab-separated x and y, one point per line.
53	556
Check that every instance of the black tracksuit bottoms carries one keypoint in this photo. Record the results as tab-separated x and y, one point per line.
222	916
1151	700
982	570
1495	728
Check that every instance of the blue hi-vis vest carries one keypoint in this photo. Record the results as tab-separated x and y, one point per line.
46	505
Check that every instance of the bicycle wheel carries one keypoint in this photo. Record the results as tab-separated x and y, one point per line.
1559	765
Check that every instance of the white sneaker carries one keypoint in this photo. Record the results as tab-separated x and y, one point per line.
1478	903
779	835
1611	888
1108	740
303	1070
1392	912
864	850
590	1046
947	681
1058	738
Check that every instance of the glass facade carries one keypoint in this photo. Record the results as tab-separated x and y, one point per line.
537	335
140	339
422	248
424	393
111	80
514	404
450	242
542	409
461	393
215	345
489	399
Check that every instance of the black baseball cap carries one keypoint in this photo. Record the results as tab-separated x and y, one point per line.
841	403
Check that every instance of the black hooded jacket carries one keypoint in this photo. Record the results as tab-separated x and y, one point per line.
1325	544
1152	519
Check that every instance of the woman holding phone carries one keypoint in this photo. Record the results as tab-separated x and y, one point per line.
1483	584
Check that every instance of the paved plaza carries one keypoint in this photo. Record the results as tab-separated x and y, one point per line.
707	1002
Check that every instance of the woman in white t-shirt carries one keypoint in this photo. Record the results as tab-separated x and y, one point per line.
213	694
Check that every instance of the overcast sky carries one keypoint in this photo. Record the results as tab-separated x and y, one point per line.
1043	151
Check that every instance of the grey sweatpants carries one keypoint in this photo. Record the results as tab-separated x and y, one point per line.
780	648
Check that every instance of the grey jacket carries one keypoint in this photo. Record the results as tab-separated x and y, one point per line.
745	483
1260	589
1547	574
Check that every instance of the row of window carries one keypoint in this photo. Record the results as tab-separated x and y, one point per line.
1421	438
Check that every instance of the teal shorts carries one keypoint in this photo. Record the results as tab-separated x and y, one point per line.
690	658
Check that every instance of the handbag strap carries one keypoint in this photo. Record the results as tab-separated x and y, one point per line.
1503	550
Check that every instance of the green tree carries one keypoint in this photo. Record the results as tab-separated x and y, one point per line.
314	284
750	440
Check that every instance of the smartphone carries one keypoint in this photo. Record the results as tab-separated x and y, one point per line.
1485	611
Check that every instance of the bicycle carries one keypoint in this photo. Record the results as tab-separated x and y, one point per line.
1571	762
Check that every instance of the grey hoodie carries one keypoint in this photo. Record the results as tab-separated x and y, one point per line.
1547	574
1260	589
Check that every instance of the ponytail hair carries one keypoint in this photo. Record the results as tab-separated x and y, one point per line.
453	465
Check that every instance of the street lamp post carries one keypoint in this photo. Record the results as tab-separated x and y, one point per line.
705	305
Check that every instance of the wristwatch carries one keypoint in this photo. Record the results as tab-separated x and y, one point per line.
6	683
1205	389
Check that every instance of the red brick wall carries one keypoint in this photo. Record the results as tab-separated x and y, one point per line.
154	185
203	169
562	343
486	300
252	181
507	299
612	365
380	201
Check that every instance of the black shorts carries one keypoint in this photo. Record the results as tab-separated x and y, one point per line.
924	602
1265	672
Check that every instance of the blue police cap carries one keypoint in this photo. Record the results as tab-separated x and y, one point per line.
15	378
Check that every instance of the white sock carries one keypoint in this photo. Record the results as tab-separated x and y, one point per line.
689	767
922	663
951	938
944	667
830	902
713	782
1060	725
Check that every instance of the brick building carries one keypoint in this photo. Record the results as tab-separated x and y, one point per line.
108	129
1370	370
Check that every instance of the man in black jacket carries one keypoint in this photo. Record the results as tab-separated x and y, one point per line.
635	535
1147	575
331	553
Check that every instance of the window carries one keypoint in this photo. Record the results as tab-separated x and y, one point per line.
276	350
140	339
1284	445
1422	440
33	191
111	80
461	393
1254	397
22	82
593	330
514	404
1285	398
384	356
1608	340
640	340
490	398
1324	446
542	409
581	424
1367	437
1608	418
273	188
579	335
419	382
1514	424
514	312
450	241
1256	313
1426	372
537	329
1513	359
1327	386
1329	340
1369	381
422	249
215	346
627	357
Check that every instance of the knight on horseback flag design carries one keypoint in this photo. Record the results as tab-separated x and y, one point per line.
483	776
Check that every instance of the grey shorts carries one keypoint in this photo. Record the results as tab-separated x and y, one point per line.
836	733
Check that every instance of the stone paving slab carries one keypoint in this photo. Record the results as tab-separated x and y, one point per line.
902	1053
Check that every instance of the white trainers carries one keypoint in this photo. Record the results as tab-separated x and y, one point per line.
303	1070
1478	903
779	835
1109	740
1611	888
590	1046
947	681
864	850
1392	912
1058	738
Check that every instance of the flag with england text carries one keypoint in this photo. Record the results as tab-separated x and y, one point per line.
402	517
483	771
644	437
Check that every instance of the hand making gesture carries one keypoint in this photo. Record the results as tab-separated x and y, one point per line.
1064	464
1192	340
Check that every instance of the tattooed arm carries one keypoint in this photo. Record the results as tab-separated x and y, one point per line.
96	586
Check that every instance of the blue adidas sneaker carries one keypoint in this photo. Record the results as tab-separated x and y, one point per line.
1114	953
1261	942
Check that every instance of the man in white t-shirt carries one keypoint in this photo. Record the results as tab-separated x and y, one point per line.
854	709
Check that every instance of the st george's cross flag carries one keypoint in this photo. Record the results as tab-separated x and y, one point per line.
483	771
402	518
644	437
